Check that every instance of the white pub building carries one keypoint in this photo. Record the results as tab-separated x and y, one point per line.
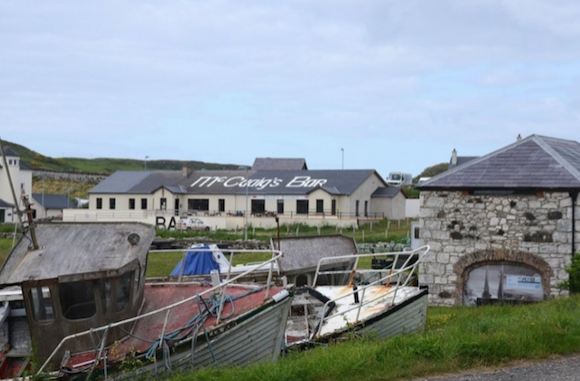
227	199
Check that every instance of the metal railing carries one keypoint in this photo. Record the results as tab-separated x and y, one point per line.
218	289
400	268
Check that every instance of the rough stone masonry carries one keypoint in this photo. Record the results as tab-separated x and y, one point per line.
466	231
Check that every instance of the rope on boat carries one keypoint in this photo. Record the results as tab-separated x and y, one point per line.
196	324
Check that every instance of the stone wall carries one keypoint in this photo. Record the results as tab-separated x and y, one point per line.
466	230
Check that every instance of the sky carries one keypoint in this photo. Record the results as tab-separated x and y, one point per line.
378	84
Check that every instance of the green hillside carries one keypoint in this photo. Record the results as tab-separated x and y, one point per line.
37	161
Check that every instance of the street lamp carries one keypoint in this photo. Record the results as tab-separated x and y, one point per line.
145	162
342	149
246	213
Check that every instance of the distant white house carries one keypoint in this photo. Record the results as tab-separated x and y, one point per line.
21	176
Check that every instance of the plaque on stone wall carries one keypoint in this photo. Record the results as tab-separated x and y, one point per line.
502	282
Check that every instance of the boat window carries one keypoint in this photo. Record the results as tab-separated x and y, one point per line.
77	300
41	303
123	291
105	287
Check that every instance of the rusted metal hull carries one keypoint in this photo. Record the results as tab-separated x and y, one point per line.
253	331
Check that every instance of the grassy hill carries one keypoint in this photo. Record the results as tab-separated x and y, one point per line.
39	162
101	166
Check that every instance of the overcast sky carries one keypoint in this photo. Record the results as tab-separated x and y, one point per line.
378	84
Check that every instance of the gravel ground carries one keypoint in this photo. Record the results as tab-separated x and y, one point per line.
560	369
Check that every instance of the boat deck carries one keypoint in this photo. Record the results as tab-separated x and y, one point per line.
147	330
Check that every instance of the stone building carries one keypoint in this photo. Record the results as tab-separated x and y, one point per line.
503	226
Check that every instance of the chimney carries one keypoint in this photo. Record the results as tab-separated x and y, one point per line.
454	157
185	172
519	137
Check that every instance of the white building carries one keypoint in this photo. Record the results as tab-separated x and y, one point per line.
228	199
21	177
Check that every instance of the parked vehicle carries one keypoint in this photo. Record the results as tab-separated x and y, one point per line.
191	223
398	179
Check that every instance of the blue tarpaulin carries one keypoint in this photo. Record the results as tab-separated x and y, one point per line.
197	263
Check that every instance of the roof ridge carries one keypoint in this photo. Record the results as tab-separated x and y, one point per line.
555	155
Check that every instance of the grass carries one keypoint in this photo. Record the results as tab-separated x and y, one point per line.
377	231
455	339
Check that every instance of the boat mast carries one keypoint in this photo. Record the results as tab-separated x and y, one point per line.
24	199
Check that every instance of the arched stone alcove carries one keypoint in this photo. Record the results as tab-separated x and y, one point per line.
469	262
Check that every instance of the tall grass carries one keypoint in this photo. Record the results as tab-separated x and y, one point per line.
455	339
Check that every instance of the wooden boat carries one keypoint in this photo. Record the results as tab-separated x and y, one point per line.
76	300
382	301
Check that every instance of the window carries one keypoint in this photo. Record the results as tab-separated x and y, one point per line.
333	207
112	203
356	207
301	206
123	291
258	206
41	304
221	205
319	206
131	204
280	209
163	204
198	204
77	300
143	204
366	208
99	203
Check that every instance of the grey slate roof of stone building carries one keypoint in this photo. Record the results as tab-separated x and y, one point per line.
53	201
278	164
536	162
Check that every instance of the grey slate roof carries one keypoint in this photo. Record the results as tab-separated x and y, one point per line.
137	182
302	254
70	250
212	182
536	162
388	192
278	164
5	204
53	201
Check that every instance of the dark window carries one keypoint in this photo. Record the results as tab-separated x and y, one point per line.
41	304
302	206
112	202
77	300
280	209
143	203
319	206
99	203
258	206
221	205
333	207
366	208
131	203
198	204
356	207
163	204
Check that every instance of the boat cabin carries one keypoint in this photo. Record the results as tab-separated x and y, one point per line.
82	275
